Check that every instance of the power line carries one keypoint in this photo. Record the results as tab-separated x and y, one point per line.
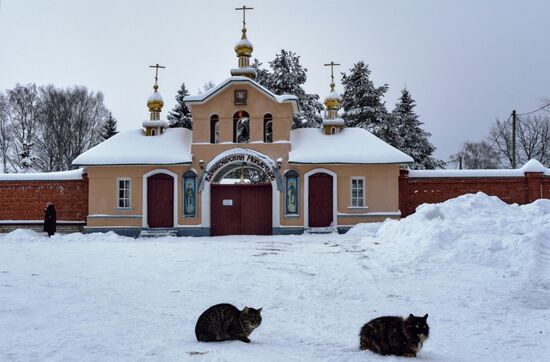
536	110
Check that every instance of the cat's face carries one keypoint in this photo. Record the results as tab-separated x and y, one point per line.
252	316
419	325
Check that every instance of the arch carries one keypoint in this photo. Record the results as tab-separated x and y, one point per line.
144	205
206	182
268	128
334	195
214	129
241	127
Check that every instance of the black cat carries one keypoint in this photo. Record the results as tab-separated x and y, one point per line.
224	322
395	335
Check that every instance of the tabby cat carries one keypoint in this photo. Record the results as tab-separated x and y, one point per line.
224	322
395	335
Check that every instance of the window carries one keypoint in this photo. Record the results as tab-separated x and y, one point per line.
241	127
214	129
153	132
333	130
291	194
268	128
357	191
123	193
189	194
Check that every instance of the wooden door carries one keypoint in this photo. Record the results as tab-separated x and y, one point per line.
320	209
241	209
160	201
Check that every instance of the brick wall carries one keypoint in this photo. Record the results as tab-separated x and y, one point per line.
414	191
26	200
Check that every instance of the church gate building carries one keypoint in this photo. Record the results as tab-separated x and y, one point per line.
242	169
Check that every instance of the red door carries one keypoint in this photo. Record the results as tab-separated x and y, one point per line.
320	200
160	201
241	209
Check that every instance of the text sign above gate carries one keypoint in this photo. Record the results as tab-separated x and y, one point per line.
264	166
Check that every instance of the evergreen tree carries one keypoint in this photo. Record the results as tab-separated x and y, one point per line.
287	77
108	129
180	116
410	137
363	104
262	75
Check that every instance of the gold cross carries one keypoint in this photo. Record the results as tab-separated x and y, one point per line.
331	65
244	9
157	66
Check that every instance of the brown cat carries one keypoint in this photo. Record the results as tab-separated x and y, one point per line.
224	322
395	335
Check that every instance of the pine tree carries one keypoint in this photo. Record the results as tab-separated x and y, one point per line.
287	77
411	138
108	129
262	75
363	104
180	116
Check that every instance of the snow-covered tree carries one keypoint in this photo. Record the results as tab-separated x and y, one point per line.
363	103
180	116
262	75
108	129
6	136
409	135
26	157
287	77
478	155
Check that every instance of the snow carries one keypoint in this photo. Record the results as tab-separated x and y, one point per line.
333	122
201	98
243	42
333	95
352	145
530	166
155	123
134	148
155	97
43	176
479	267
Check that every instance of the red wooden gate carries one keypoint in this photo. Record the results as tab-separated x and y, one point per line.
241	209
160	201
320	208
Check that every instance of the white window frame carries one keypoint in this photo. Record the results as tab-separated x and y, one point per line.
351	198
118	198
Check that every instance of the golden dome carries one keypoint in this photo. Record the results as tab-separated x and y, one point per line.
244	47
333	101
155	101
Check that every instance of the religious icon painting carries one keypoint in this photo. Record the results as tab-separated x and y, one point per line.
189	195
292	193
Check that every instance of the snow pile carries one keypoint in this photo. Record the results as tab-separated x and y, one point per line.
46	176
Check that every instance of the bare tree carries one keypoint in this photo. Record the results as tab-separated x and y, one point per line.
5	132
478	155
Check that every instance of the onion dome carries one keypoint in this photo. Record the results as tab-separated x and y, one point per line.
155	101
333	101
244	47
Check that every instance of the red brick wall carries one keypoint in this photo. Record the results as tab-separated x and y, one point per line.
521	190
26	200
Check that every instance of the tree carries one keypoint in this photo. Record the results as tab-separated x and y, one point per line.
363	104
478	155
5	132
404	132
180	116
287	77
108	129
262	75
24	106
532	140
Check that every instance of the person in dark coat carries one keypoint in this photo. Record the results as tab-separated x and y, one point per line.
49	219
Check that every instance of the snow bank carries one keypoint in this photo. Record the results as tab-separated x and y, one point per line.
43	176
530	166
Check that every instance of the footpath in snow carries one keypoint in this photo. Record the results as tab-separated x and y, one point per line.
479	267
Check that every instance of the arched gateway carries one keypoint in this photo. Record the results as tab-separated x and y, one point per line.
242	185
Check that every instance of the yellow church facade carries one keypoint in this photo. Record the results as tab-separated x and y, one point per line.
242	169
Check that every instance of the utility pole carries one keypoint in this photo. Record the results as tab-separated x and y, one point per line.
514	138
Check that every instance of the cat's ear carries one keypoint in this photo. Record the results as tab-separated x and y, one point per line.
425	317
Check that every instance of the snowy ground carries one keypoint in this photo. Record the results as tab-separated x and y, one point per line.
479	267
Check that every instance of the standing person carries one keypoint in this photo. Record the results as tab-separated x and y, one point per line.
49	219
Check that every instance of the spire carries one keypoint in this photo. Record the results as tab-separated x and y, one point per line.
331	123
244	48
154	126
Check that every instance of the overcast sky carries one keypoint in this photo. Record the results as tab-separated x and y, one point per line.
465	62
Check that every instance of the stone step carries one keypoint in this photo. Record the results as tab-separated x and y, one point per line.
160	233
321	230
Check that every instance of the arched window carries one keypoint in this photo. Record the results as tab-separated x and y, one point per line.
215	129
153	132
291	193
333	130
268	128
241	127
189	194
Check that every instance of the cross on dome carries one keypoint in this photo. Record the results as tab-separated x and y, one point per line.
244	9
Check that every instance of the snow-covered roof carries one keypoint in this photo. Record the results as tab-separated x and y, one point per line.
43	176
333	122
352	145
530	166
132	147
204	97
